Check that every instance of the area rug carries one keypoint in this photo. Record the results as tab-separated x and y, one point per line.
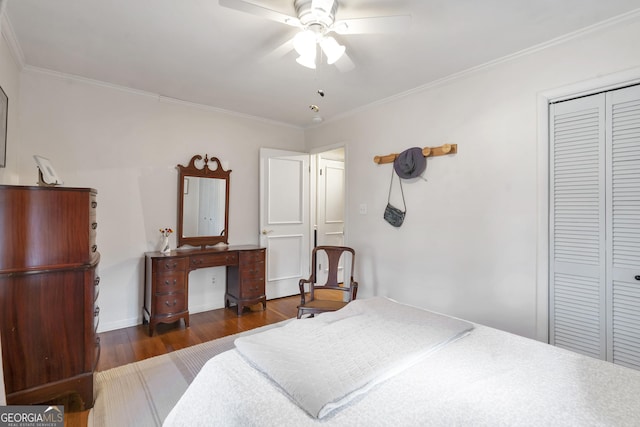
142	394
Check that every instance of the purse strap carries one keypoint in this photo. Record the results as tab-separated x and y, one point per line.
401	190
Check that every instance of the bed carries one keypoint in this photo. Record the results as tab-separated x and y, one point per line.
385	362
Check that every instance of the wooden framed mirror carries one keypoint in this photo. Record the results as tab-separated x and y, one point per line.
203	203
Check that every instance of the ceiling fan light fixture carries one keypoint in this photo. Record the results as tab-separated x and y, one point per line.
308	61
305	43
332	49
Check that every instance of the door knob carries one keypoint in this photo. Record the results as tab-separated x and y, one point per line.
265	232
637	277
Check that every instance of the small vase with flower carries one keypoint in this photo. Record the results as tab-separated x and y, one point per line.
165	248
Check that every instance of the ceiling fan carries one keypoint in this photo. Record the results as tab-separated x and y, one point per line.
316	20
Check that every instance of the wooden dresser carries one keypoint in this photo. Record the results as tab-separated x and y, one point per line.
48	293
167	280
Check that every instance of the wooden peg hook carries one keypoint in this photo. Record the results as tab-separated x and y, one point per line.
426	151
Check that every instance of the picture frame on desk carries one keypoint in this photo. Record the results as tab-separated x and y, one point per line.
47	176
4	114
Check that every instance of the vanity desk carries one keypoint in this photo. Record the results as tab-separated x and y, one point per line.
203	223
167	280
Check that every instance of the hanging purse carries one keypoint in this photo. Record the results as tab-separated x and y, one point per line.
393	215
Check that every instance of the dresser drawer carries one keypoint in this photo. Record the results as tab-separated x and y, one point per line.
213	260
96	288
96	353
169	282
171	303
252	289
96	318
93	204
169	265
251	257
93	231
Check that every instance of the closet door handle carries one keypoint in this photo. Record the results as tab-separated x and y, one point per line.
637	277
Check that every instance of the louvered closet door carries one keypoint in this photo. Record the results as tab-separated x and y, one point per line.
623	202
577	226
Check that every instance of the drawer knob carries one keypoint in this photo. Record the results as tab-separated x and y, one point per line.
96	282
168	304
171	266
96	312
94	225
166	282
196	261
94	204
94	248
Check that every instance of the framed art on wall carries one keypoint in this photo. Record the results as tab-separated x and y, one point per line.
4	110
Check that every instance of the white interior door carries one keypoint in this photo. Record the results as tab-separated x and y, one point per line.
330	202
623	250
595	225
577	226
330	205
284	219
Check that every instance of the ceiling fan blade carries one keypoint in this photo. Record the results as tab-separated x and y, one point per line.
278	52
344	64
254	9
381	24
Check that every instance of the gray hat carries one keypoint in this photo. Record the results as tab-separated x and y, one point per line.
410	163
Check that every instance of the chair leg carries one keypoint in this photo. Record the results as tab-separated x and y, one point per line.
299	313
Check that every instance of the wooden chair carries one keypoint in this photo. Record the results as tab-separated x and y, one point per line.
319	297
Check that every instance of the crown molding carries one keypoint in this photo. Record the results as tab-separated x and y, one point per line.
30	69
205	107
6	29
616	20
156	96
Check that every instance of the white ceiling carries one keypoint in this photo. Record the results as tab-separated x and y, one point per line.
198	51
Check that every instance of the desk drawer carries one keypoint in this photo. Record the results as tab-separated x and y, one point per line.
251	257
252	272
169	282
171	303
252	289
169	265
213	260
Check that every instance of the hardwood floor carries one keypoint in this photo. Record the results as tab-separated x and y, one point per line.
133	344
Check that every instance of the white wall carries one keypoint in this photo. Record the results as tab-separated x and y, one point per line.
126	145
10	83
468	246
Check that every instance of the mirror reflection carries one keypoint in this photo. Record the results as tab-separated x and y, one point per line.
203	202
203	207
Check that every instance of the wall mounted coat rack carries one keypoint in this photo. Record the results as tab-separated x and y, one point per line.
426	151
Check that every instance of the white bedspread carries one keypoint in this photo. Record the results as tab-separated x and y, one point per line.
324	362
489	378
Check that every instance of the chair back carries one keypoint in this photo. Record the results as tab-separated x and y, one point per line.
338	262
